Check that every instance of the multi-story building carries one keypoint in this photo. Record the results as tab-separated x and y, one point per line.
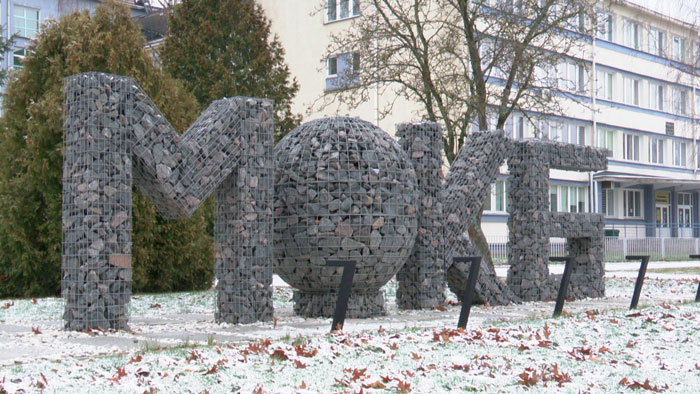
637	79
23	18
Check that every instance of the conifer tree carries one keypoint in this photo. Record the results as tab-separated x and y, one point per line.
222	48
167	255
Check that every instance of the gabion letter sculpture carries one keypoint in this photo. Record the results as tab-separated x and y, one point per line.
344	190
422	278
114	135
530	223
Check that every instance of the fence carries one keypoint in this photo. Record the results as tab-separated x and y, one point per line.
616	249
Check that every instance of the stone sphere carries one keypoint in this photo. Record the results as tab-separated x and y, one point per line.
344	190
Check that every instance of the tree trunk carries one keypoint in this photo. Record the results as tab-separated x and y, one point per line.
479	239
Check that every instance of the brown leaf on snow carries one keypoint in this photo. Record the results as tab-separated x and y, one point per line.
645	385
36	330
415	356
302	351
403	387
155	305
375	385
523	347
135	359
299	365
440	308
631	343
34	301
7	305
279	355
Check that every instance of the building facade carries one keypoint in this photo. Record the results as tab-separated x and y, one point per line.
637	93
24	17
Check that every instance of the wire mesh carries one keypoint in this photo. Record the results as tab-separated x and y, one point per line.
96	264
344	190
422	278
243	228
530	224
467	185
111	125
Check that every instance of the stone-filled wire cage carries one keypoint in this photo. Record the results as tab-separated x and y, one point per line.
344	190
243	229
96	268
422	278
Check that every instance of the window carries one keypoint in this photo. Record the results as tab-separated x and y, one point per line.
332	66
630	90
342	71
26	21
606	139
697	54
679	47
341	9
568	198
604	85
18	58
573	77
631	147
679	101
516	127
679	154
631	33
496	201
657	42
604	30
656	96
633	203
608	202
553	192
656	150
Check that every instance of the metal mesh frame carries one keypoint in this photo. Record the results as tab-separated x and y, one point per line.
530	224
465	189
111	128
422	278
344	190
97	206
243	232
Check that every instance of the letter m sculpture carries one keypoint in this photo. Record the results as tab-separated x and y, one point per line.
115	135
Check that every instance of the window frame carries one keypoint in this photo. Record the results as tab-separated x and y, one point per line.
680	154
678	53
656	150
23	30
631	33
630	90
342	10
634	152
657	96
632	199
16	55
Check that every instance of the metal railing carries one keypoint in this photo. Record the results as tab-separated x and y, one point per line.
616	248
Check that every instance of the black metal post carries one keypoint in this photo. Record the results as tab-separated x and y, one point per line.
564	285
640	278
697	295
468	295
341	304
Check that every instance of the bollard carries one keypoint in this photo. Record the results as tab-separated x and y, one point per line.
341	305
640	278
564	286
697	294
468	295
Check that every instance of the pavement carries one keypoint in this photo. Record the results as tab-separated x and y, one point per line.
20	343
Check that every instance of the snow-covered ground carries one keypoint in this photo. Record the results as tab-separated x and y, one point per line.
175	346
